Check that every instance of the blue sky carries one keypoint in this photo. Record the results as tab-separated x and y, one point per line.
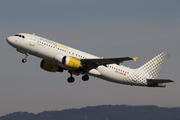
104	28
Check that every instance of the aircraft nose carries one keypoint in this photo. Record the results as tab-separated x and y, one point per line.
10	40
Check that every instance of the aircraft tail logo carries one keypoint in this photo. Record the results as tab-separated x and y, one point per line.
154	67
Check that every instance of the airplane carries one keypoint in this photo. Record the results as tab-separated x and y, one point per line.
57	57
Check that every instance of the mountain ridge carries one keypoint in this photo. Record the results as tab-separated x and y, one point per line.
101	112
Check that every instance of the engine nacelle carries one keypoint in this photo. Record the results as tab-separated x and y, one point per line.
50	66
68	62
71	63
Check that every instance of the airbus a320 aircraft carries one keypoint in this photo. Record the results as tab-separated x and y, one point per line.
57	57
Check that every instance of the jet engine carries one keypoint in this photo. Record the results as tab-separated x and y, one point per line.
50	66
71	63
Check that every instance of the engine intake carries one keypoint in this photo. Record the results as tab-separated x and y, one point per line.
50	66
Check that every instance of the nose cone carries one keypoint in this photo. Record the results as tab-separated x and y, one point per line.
10	40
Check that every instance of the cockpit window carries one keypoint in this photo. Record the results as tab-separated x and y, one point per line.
22	36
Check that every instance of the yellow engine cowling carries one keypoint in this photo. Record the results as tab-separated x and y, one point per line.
71	63
50	66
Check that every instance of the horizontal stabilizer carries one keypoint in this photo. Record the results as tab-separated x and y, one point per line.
159	80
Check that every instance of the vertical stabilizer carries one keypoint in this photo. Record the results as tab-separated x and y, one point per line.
154	67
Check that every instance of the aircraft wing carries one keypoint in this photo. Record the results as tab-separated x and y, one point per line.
159	80
94	63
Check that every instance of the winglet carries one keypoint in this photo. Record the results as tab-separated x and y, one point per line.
135	58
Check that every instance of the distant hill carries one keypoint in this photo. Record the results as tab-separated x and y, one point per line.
104	112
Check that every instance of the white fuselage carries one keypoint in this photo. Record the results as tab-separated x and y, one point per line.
47	49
